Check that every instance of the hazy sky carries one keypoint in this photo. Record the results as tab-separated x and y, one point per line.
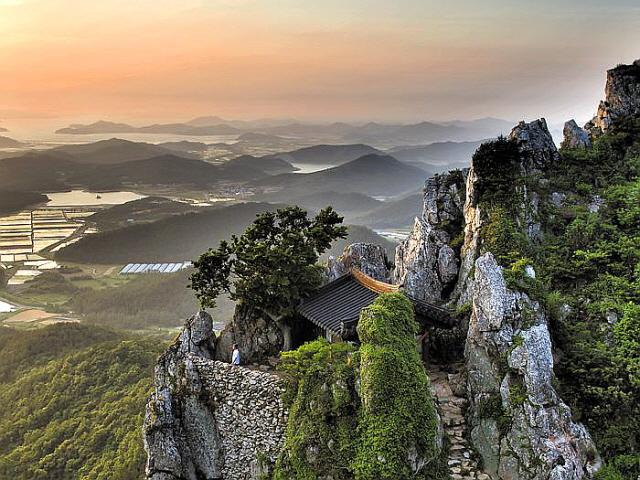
405	60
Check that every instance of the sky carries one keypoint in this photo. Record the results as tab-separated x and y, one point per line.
355	60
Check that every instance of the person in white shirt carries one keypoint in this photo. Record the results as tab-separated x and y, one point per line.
235	356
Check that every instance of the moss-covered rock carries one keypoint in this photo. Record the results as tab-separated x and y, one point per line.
399	424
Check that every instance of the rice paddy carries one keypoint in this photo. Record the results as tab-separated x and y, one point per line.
38	231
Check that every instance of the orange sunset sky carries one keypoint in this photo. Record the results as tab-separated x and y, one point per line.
401	60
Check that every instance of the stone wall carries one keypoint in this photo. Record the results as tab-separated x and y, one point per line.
208	420
249	414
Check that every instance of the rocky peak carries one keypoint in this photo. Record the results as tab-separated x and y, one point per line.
622	98
426	263
197	336
369	258
574	136
537	153
535	143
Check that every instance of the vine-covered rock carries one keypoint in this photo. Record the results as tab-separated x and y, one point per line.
399	427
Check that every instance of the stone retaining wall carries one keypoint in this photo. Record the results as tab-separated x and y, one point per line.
249	413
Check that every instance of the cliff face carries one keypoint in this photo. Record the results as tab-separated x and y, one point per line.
622	98
537	154
517	422
207	419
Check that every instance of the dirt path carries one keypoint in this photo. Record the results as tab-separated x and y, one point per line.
462	464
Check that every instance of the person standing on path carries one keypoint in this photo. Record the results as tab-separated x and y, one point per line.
423	346
235	356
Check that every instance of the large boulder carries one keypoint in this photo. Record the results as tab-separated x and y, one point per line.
519	425
622	98
257	335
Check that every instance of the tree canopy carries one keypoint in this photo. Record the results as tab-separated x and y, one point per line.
272	265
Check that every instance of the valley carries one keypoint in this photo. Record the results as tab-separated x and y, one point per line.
74	215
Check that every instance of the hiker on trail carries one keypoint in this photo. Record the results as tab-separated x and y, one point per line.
235	356
423	346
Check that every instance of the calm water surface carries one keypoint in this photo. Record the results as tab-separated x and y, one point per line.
84	198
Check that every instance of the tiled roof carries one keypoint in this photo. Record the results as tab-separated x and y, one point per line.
336	306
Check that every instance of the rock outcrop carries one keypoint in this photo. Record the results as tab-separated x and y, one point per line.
207	419
538	153
426	262
516	421
574	136
622	98
520	426
258	337
369	258
537	148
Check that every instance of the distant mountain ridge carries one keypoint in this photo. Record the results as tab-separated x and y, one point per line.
327	154
181	237
340	132
373	175
170	128
452	154
112	151
6	142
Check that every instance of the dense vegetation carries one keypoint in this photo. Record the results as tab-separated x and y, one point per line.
323	412
364	433
587	260
73	400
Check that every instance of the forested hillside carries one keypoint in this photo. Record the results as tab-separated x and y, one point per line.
73	400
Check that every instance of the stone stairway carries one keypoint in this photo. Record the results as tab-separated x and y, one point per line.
462	463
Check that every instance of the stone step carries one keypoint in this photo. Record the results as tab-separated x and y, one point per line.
461	464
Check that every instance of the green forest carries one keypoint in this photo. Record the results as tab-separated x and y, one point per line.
73	401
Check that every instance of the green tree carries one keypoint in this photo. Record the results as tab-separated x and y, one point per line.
272	265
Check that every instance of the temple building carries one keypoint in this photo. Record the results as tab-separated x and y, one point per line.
335	308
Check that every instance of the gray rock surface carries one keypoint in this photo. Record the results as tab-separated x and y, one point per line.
207	419
369	258
426	264
519	424
258	337
622	98
574	136
535	144
538	153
